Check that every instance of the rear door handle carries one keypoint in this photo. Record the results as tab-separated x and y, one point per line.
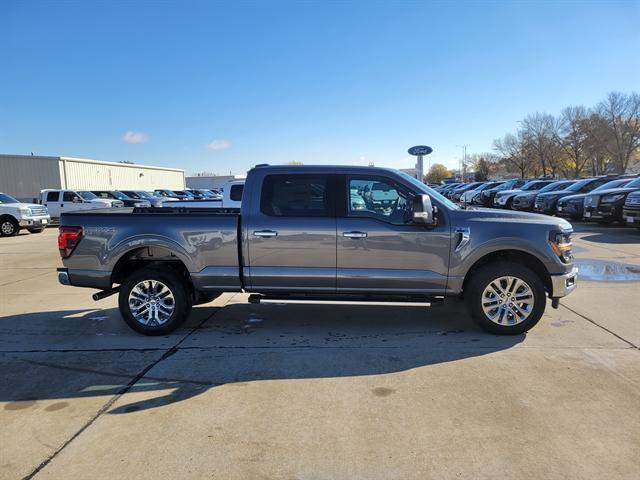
265	233
354	234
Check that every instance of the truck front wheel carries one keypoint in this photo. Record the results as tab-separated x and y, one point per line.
8	227
154	301
505	298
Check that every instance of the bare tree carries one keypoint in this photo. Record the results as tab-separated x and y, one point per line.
537	133
512	151
483	165
571	136
620	132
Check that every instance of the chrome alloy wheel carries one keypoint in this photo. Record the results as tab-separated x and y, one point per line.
7	228
151	303
507	301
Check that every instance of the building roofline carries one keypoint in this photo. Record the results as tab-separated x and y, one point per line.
98	162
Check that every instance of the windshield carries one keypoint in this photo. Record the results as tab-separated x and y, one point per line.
555	186
87	195
576	187
143	194
634	184
119	195
614	184
511	184
535	185
4	198
425	189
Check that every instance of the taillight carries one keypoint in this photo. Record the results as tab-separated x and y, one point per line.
68	240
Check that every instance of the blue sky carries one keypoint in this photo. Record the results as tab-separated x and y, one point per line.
221	86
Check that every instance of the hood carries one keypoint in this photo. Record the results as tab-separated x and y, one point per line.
20	205
576	196
527	193
510	216
509	192
600	193
558	194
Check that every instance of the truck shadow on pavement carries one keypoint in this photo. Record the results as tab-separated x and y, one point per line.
72	354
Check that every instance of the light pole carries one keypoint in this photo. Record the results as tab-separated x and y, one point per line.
463	163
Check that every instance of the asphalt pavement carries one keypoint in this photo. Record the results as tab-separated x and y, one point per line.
319	391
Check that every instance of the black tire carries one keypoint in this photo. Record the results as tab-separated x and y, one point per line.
177	287
36	230
509	204
482	279
8	227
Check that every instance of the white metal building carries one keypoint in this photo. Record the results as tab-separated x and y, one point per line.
208	182
23	176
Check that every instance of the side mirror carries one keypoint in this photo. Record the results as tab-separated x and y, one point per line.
423	211
76	200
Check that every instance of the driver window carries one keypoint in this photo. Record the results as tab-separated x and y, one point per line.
381	199
71	197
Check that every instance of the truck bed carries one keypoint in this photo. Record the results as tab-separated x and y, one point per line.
204	240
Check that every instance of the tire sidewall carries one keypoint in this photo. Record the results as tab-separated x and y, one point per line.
173	281
13	223
482	277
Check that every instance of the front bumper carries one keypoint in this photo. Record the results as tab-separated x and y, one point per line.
564	283
603	212
35	221
572	210
500	201
523	205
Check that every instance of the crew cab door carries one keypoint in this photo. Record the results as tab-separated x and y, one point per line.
51	200
291	234
379	248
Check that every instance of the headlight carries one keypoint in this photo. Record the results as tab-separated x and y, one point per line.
612	198
25	211
561	245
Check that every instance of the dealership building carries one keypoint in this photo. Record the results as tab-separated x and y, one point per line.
23	176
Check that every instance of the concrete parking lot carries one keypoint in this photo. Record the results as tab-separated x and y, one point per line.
319	391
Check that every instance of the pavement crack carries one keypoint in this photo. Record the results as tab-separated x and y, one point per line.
602	327
168	353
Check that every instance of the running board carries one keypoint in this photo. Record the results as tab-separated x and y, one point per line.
256	298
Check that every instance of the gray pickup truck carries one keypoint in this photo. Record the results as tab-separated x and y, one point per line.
318	233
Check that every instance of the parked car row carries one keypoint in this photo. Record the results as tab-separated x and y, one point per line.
603	199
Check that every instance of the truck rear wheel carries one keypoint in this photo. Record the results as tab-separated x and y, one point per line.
154	301
505	298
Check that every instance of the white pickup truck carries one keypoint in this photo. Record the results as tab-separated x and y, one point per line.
61	201
15	215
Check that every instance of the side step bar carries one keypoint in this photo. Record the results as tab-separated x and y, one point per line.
257	298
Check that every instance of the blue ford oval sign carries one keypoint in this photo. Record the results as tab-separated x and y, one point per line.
419	150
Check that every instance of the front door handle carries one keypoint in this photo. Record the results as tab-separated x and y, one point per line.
355	234
265	233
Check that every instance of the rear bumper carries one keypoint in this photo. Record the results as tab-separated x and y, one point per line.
85	278
565	283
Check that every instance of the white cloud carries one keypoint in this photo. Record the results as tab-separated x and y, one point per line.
135	137
219	144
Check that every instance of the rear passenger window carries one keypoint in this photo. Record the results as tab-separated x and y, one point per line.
295	196
235	194
52	196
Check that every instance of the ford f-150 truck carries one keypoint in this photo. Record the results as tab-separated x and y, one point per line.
298	236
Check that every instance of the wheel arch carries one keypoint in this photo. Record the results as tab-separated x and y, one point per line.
141	257
512	255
